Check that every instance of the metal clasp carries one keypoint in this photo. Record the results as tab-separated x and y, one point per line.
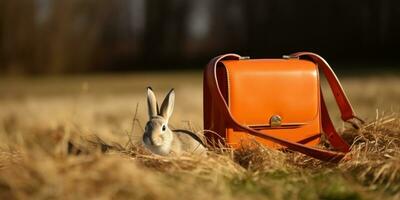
290	57
244	57
275	121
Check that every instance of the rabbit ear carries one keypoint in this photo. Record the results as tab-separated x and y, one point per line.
168	105
152	103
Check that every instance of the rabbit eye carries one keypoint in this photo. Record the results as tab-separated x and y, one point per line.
163	127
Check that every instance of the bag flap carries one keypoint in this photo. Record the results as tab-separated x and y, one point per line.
259	89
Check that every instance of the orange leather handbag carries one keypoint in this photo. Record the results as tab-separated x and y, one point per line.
277	102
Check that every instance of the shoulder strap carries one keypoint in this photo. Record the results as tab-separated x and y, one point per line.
346	110
334	156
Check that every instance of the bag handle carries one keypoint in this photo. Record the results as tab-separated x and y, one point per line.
326	155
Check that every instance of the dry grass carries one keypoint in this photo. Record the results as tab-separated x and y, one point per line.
79	138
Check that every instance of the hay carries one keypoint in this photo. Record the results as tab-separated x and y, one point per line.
43	166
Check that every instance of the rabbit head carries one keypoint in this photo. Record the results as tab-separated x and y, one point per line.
157	136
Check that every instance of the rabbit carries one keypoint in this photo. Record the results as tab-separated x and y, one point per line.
159	138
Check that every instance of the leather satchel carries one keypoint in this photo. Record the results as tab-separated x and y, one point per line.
276	102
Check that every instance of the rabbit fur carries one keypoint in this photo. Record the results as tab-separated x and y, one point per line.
159	138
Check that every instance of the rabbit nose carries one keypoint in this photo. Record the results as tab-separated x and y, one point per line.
157	141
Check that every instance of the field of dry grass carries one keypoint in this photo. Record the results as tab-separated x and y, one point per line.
78	137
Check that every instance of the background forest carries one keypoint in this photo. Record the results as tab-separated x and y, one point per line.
58	36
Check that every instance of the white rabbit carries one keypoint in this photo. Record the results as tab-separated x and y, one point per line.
161	140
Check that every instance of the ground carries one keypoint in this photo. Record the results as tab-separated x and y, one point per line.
78	137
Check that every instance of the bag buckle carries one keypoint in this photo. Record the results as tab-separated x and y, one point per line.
353	121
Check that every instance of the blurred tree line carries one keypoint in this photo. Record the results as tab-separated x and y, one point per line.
68	36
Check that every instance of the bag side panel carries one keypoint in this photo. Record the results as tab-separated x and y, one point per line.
214	122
